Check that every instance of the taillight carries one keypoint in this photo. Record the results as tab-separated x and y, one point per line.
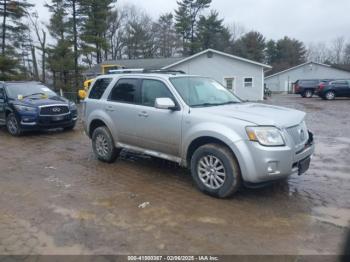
321	86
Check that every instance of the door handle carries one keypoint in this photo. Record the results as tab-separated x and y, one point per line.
143	114
109	109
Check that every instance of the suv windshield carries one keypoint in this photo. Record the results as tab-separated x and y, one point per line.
16	91
200	91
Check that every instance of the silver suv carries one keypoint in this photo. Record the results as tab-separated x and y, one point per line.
197	123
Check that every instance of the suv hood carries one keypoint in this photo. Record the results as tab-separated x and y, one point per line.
259	114
41	101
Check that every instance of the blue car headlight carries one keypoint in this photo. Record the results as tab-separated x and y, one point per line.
72	106
25	109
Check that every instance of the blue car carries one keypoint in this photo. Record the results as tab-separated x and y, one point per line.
27	106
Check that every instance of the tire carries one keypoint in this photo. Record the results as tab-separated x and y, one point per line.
308	93
12	125
330	95
103	145
225	175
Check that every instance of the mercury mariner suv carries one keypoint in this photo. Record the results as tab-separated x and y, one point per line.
199	124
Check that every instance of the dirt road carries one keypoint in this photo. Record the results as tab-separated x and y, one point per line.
56	198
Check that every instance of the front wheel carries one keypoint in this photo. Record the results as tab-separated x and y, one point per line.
215	170
103	145
13	126
330	95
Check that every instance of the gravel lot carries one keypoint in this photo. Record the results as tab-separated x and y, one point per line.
56	198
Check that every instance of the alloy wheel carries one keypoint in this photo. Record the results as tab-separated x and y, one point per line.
102	145
12	125
330	96
211	172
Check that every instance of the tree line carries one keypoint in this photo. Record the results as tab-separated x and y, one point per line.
88	32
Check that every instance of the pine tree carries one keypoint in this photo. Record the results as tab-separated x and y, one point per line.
212	33
94	26
14	36
251	46
61	56
166	39
186	17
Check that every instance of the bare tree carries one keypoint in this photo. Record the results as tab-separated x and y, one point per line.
318	52
338	48
236	30
41	37
347	54
115	32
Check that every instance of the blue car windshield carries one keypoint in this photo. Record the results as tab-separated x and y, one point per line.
203	92
17	91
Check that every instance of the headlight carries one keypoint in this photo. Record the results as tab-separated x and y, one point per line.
25	109
72	106
265	135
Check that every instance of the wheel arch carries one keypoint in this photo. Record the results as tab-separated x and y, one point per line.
96	123
203	140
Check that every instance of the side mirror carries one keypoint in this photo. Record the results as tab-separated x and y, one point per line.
165	103
82	94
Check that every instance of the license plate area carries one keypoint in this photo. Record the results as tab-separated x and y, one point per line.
304	165
57	118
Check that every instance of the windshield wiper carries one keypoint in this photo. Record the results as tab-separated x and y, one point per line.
34	94
228	103
215	104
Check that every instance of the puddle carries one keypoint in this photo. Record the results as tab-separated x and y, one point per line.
336	216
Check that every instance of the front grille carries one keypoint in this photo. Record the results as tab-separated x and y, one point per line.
299	133
54	110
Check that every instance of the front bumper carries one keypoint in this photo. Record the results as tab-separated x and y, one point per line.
262	164
48	122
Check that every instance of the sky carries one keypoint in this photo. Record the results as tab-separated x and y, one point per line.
310	21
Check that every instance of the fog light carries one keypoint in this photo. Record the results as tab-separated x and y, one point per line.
28	119
272	167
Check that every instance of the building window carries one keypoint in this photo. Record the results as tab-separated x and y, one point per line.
230	83
248	82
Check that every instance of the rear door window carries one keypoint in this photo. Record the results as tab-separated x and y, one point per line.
2	93
340	83
126	91
99	88
152	89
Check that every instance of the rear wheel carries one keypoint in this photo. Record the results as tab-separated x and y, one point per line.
330	95
215	170
13	126
308	93
103	145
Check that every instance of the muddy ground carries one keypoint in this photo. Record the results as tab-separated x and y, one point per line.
56	198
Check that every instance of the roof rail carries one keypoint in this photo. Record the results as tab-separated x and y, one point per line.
163	71
125	71
145	71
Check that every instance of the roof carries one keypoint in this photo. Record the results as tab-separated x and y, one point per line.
146	63
165	63
301	65
219	53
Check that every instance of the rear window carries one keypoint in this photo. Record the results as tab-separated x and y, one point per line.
99	88
308	82
342	82
126	91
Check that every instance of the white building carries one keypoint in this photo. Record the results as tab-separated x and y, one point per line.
282	81
243	77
